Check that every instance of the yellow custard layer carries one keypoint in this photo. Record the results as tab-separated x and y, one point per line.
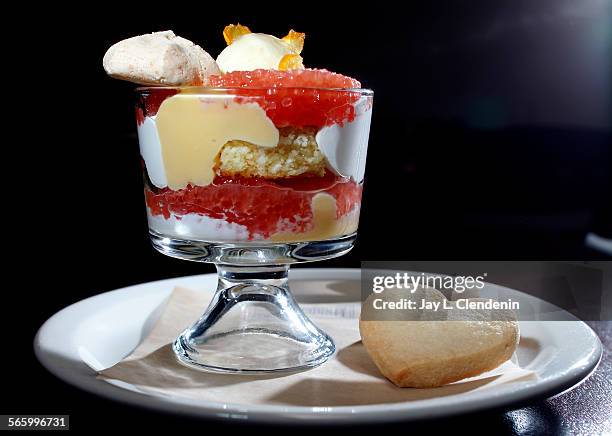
325	223
192	130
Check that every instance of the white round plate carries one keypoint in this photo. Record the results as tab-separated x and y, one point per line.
100	331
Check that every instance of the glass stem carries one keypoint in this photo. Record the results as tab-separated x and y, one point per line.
253	324
262	276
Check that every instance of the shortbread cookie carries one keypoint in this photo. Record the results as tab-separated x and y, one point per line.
159	58
437	348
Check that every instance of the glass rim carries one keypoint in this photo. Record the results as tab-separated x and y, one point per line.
215	90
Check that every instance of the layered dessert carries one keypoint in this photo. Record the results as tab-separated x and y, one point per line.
250	147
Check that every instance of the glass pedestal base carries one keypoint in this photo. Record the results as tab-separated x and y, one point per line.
253	325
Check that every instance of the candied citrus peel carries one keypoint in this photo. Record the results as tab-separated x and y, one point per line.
290	62
234	31
295	41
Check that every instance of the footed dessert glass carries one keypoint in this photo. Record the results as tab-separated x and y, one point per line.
253	180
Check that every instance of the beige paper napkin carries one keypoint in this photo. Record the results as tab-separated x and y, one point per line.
350	378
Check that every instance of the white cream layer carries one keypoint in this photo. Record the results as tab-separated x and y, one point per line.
345	147
151	152
197	227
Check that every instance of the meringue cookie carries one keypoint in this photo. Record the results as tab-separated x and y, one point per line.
159	58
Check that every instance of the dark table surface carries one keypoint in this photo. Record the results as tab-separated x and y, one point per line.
497	115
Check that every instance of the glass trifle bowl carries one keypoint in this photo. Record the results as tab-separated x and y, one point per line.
253	180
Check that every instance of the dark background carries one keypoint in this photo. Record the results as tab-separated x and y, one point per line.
491	139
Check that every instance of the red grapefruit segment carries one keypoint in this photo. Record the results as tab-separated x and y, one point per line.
296	98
